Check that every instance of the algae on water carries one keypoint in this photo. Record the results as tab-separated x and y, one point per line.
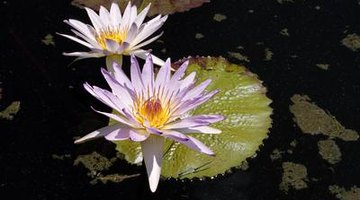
294	177
329	151
313	120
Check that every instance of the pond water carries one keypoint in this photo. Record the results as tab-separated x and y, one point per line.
307	53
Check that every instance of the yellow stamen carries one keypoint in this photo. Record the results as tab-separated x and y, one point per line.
110	33
153	112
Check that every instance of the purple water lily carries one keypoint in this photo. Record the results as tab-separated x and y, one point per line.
150	109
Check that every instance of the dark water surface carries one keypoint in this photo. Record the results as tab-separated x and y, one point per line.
55	108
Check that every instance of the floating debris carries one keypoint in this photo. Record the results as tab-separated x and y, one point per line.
294	176
276	154
352	41
199	36
323	66
240	47
268	54
329	151
163	50
285	1
163	7
285	32
239	56
343	194
60	157
313	120
48	40
219	17
10	111
115	178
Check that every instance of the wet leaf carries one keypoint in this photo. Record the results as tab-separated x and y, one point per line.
163	7
242	100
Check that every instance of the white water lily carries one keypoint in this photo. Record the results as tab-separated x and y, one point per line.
114	34
150	109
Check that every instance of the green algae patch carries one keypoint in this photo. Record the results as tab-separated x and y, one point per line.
313	120
343	194
329	151
294	176
241	100
94	162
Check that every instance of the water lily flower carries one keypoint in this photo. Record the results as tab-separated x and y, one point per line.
114	34
150	109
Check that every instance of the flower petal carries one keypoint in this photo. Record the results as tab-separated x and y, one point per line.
136	75
115	14
201	129
100	133
148	75
95	19
141	16
194	121
152	149
138	135
77	40
197	146
117	135
142	54
175	135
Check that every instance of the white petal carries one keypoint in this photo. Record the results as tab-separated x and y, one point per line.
152	149
95	19
146	42
77	40
105	16
81	27
141	16
115	14
85	54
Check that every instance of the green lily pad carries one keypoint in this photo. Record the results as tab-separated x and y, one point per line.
241	100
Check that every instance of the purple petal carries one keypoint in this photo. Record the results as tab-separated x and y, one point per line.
175	135
112	45
194	121
197	146
138	135
180	72
163	75
152	149
193	103
100	133
136	75
117	118
197	90
201	129
148	75
124	97
120	134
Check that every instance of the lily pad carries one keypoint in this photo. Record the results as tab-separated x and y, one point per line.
163	7
241	100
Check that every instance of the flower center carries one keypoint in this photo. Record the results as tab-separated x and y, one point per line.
110	33
152	112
